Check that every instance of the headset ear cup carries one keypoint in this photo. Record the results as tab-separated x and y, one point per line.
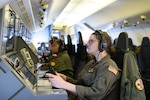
99	47
104	46
102	43
62	46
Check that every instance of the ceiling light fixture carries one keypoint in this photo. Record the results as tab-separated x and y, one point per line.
125	21
43	12
44	5
143	17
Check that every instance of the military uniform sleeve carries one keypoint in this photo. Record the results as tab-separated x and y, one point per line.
71	80
99	87
63	65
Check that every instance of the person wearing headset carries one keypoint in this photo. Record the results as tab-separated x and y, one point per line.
59	59
100	77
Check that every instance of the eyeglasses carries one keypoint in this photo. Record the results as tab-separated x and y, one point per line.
91	41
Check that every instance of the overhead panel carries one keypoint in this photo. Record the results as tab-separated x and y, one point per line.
24	10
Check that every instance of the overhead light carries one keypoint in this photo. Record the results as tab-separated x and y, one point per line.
143	17
44	9
76	11
134	24
114	24
125	21
138	22
43	12
42	21
42	16
41	24
44	5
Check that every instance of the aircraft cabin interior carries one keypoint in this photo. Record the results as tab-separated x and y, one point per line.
26	26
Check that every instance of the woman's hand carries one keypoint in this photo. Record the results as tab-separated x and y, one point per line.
62	76
56	80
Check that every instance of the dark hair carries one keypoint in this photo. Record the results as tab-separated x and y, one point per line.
53	39
58	41
105	39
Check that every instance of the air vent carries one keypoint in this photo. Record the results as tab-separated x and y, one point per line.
20	3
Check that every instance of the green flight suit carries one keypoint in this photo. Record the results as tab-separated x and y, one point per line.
132	87
62	64
96	79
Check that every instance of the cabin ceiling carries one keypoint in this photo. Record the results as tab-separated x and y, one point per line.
114	15
2	4
38	14
121	13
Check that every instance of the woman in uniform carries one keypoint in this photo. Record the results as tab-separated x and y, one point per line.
100	77
59	59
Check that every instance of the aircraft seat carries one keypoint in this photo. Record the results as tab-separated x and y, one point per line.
127	62
122	42
121	48
131	46
115	42
81	56
143	56
71	49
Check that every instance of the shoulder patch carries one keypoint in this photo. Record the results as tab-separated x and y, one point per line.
112	69
139	84
54	62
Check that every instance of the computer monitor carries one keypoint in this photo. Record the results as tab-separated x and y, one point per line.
33	48
22	69
16	43
10	45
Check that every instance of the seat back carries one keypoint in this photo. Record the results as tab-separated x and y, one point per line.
121	48
132	47
132	87
126	61
81	56
71	50
122	42
144	56
145	50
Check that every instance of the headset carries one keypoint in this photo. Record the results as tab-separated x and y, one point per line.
60	42
61	45
103	42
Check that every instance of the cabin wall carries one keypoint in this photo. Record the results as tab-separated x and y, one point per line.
4	32
40	36
10	25
136	33
1	35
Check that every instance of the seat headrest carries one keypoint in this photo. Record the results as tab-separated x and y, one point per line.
122	42
69	40
145	41
130	43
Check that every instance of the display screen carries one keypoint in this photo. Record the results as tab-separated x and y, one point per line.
24	69
9	45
